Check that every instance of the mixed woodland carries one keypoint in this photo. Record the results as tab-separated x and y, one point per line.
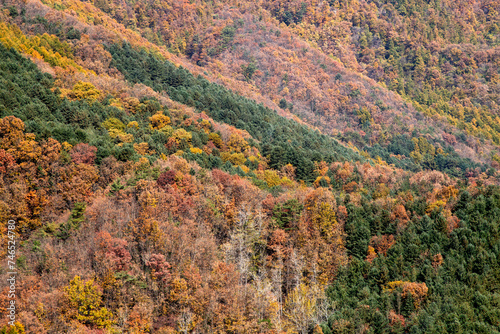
233	166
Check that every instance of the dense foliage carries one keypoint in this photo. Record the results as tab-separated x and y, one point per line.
457	265
238	167
283	141
445	69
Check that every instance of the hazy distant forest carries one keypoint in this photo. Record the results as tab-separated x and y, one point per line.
237	166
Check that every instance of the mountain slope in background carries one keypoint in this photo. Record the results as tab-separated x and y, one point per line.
243	46
240	167
418	61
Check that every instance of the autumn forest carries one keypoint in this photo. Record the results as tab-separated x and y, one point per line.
235	166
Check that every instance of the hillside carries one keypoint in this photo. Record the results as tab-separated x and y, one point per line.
241	167
243	47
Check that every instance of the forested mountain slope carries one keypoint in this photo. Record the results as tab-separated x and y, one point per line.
241	167
243	46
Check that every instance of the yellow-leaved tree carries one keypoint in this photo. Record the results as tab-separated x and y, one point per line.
159	120
327	232
84	303
18	328
84	91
